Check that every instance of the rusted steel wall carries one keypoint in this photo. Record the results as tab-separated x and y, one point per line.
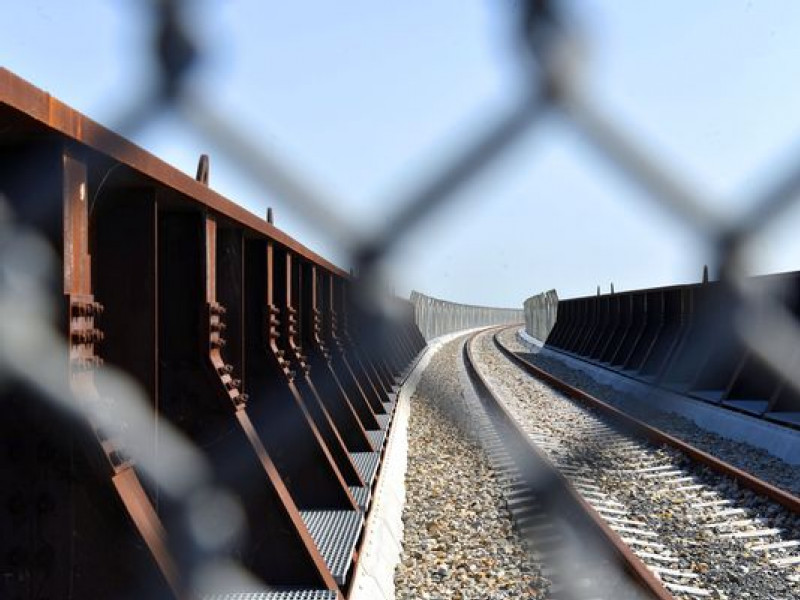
540	314
673	337
436	317
197	403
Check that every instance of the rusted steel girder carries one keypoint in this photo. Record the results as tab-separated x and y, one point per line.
228	330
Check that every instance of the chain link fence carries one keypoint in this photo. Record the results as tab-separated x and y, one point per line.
33	353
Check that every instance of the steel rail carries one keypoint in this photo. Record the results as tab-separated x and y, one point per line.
531	458
745	479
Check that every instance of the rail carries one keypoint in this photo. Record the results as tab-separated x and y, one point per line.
725	521
642	429
684	338
563	506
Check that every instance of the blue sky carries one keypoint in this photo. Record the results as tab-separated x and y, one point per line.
364	96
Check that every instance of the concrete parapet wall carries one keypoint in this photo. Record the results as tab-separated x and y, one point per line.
540	314
437	317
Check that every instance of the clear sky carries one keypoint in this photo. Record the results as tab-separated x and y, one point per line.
365	96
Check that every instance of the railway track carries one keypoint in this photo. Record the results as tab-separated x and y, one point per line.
253	357
674	520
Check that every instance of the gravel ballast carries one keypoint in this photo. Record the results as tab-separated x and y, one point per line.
754	460
458	541
676	515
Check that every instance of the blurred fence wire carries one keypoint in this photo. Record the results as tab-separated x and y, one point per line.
551	59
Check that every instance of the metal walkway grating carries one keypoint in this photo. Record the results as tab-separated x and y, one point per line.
361	495
367	465
335	532
383	420
277	595
376	437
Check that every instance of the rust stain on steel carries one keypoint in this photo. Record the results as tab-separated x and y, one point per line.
748	480
83	336
215	314
274	312
286	504
232	386
626	557
77	262
141	512
20	95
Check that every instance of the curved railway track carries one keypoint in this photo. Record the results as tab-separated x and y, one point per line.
599	493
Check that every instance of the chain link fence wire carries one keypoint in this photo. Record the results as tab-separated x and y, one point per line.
551	67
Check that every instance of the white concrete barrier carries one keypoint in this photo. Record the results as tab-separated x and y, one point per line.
436	317
540	314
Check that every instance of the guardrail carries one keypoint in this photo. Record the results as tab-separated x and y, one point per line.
205	413
435	317
672	337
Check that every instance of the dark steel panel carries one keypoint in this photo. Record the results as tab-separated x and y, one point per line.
275	406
